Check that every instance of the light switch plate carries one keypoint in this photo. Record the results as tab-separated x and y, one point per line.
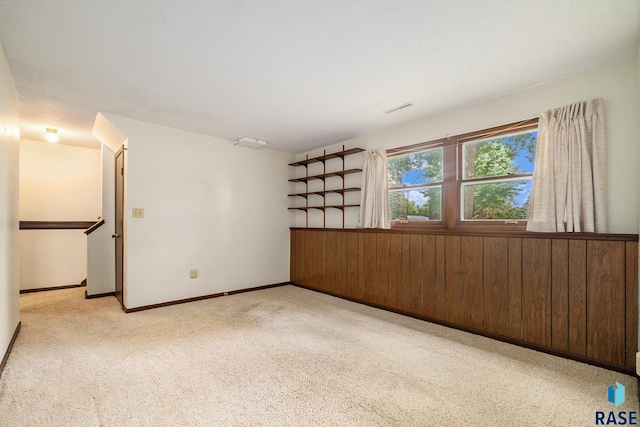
138	212
193	273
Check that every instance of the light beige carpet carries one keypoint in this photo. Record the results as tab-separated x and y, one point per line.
282	356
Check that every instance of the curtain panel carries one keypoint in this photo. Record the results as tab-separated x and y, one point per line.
568	192
374	199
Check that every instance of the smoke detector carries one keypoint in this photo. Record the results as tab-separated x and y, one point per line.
248	142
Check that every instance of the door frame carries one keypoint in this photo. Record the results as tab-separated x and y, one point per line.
119	227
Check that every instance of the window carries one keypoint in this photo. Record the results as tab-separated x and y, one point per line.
497	177
415	186
480	178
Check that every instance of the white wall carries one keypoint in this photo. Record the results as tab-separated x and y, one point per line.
50	258
616	83
100	245
57	183
208	205
9	149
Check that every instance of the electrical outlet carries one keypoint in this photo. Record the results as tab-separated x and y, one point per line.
138	212
193	273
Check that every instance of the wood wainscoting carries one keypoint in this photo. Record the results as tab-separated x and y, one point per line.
570	295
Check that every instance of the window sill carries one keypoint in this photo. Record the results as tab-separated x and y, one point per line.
481	232
465	226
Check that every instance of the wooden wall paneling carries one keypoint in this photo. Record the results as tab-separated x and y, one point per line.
370	285
333	261
415	274
359	289
440	283
303	242
383	256
471	281
452	280
405	295
299	255
496	285
306	248
578	297
605	301
309	255
631	301
302	258
428	276
352	264
294	255
395	270
560	294
536	291
320	264
342	283
515	288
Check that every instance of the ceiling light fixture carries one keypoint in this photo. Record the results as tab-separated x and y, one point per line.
408	104
248	142
51	135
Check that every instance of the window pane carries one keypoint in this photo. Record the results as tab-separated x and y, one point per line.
415	169
416	205
505	199
499	156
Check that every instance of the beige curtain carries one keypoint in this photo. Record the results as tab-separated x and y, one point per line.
568	193
374	201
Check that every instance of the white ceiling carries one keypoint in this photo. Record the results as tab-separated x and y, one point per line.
299	74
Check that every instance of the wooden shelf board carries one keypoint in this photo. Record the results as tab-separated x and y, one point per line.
338	155
325	175
322	193
322	208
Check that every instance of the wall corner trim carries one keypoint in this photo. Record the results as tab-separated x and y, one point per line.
6	355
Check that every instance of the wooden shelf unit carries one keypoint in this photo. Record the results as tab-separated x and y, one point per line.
322	177
339	154
321	208
320	193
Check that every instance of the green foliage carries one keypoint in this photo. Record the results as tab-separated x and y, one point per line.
495	201
401	207
428	162
496	157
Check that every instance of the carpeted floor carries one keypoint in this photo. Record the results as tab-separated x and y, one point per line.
281	356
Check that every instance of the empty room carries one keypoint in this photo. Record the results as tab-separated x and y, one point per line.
236	213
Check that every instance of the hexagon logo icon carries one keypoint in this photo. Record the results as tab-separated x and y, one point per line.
616	394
